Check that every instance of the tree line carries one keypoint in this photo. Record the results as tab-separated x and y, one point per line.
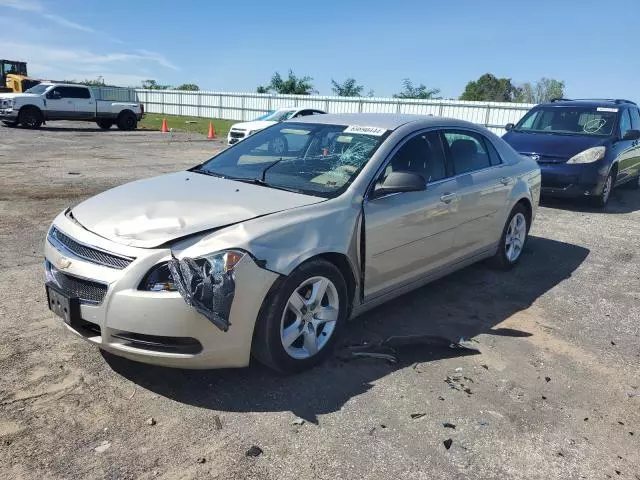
487	88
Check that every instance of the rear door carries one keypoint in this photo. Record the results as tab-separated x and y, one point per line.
85	106
410	234
626	150
482	186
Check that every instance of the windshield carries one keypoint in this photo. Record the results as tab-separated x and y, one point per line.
38	89
597	121
277	116
314	159
265	116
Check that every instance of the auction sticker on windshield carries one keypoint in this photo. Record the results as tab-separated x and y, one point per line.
365	130
607	109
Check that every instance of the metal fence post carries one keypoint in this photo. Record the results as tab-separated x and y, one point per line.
398	107
220	106
360	106
242	108
199	96
326	105
441	110
486	118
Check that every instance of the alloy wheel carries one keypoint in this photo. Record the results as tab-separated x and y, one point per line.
309	318
516	235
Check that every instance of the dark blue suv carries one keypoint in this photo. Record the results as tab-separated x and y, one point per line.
583	147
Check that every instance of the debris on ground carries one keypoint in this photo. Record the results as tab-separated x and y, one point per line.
449	425
586	419
441	398
483	423
447	443
455	383
372	430
415	416
486	367
217	423
6	442
73	173
543	397
201	460
104	446
298	422
254	451
151	421
548	379
388	349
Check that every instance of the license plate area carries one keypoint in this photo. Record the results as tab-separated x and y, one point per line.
68	308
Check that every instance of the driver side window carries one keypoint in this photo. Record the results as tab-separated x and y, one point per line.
422	154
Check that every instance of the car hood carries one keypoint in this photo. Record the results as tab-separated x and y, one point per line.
149	213
257	125
551	145
15	95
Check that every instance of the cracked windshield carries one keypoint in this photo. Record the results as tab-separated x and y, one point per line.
318	159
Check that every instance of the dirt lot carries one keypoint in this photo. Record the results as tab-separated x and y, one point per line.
553	390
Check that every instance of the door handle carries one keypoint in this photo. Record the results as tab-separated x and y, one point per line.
505	180
447	197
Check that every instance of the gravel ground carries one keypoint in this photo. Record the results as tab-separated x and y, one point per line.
549	390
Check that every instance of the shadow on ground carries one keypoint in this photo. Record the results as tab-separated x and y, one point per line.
464	304
624	199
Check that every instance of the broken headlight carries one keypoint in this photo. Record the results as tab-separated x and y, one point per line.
159	278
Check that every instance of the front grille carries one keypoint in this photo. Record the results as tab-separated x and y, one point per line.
236	134
86	290
90	254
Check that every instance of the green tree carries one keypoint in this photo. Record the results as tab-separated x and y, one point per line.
489	88
544	90
421	91
292	85
191	87
348	88
153	85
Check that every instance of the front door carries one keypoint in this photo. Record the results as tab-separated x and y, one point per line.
60	104
410	234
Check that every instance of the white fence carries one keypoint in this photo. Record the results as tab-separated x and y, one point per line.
247	106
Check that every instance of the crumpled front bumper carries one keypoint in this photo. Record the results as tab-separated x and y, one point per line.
8	115
157	327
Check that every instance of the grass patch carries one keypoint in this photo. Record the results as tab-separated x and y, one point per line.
153	121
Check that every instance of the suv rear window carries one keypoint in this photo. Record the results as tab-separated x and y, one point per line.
569	120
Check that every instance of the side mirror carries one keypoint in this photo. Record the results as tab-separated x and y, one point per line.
509	126
631	135
398	182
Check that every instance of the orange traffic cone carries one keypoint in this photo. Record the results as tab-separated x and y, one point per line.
164	128
212	131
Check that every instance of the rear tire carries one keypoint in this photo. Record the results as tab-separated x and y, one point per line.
513	239
105	124
30	117
127	121
290	342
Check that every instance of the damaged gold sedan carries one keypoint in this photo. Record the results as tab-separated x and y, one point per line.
268	248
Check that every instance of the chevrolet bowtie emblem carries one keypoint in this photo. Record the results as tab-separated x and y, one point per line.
535	157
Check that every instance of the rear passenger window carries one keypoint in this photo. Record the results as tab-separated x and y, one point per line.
77	92
421	154
635	118
468	151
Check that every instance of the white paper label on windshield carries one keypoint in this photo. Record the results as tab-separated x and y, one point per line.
365	130
607	109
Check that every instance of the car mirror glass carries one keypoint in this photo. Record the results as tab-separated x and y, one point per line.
399	182
509	126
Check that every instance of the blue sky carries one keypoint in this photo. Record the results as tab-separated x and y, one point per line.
234	46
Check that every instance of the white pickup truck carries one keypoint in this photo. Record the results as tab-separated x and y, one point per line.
61	101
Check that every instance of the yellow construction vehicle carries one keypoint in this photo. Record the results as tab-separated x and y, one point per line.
13	77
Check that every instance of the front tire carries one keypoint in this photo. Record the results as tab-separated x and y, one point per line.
602	199
301	319
513	239
127	121
30	118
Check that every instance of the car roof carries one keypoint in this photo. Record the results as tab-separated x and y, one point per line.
589	103
48	84
388	121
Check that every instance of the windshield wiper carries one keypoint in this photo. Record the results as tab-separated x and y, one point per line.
272	164
259	181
